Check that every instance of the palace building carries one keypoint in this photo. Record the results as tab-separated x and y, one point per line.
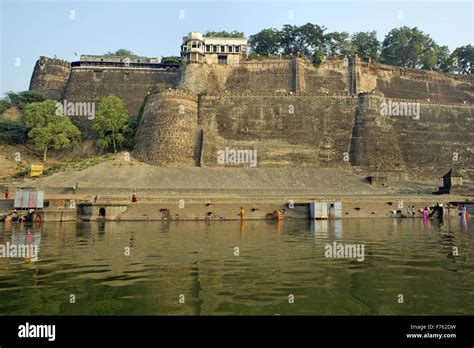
197	48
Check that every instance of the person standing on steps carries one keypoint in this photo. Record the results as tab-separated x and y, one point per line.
278	216
426	214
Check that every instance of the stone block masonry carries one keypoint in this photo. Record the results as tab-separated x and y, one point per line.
168	133
290	111
50	76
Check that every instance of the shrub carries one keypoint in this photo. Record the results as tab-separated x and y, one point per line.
12	132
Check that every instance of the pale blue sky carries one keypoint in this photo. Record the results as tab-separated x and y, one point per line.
30	29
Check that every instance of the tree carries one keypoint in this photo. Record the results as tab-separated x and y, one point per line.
338	44
410	48
4	104
111	123
11	132
170	60
366	45
21	99
291	39
266	42
462	60
305	39
444	60
317	57
47	129
224	33
122	52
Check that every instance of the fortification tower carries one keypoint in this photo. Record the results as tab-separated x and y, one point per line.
50	76
168	134
375	145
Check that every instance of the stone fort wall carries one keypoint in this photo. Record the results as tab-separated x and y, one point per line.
131	85
396	82
168	133
303	129
292	112
324	129
50	76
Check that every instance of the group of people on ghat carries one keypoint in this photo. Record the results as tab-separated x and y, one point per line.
428	212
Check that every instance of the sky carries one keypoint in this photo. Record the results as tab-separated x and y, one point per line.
154	28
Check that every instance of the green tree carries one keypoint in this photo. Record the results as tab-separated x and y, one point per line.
410	48
291	39
21	99
462	60
170	60
122	52
11	132
47	129
252	55
265	43
111	123
305	39
444	59
4	104
224	33
338	44
366	45
317	57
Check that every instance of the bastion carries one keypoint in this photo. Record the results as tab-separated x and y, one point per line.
291	112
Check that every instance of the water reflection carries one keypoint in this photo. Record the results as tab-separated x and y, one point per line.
319	228
197	260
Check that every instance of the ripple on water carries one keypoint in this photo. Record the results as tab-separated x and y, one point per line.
198	260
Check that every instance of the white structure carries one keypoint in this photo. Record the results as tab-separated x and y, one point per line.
318	210
197	48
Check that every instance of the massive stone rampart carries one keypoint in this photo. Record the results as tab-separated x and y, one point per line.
292	112
131	85
50	77
168	133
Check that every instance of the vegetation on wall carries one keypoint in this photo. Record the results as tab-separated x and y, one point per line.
170	60
122	52
224	33
404	46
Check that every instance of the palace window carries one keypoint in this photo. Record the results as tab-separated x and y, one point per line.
230	49
222	49
222	60
214	48
237	49
208	48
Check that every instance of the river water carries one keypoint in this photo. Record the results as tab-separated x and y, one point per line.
229	268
